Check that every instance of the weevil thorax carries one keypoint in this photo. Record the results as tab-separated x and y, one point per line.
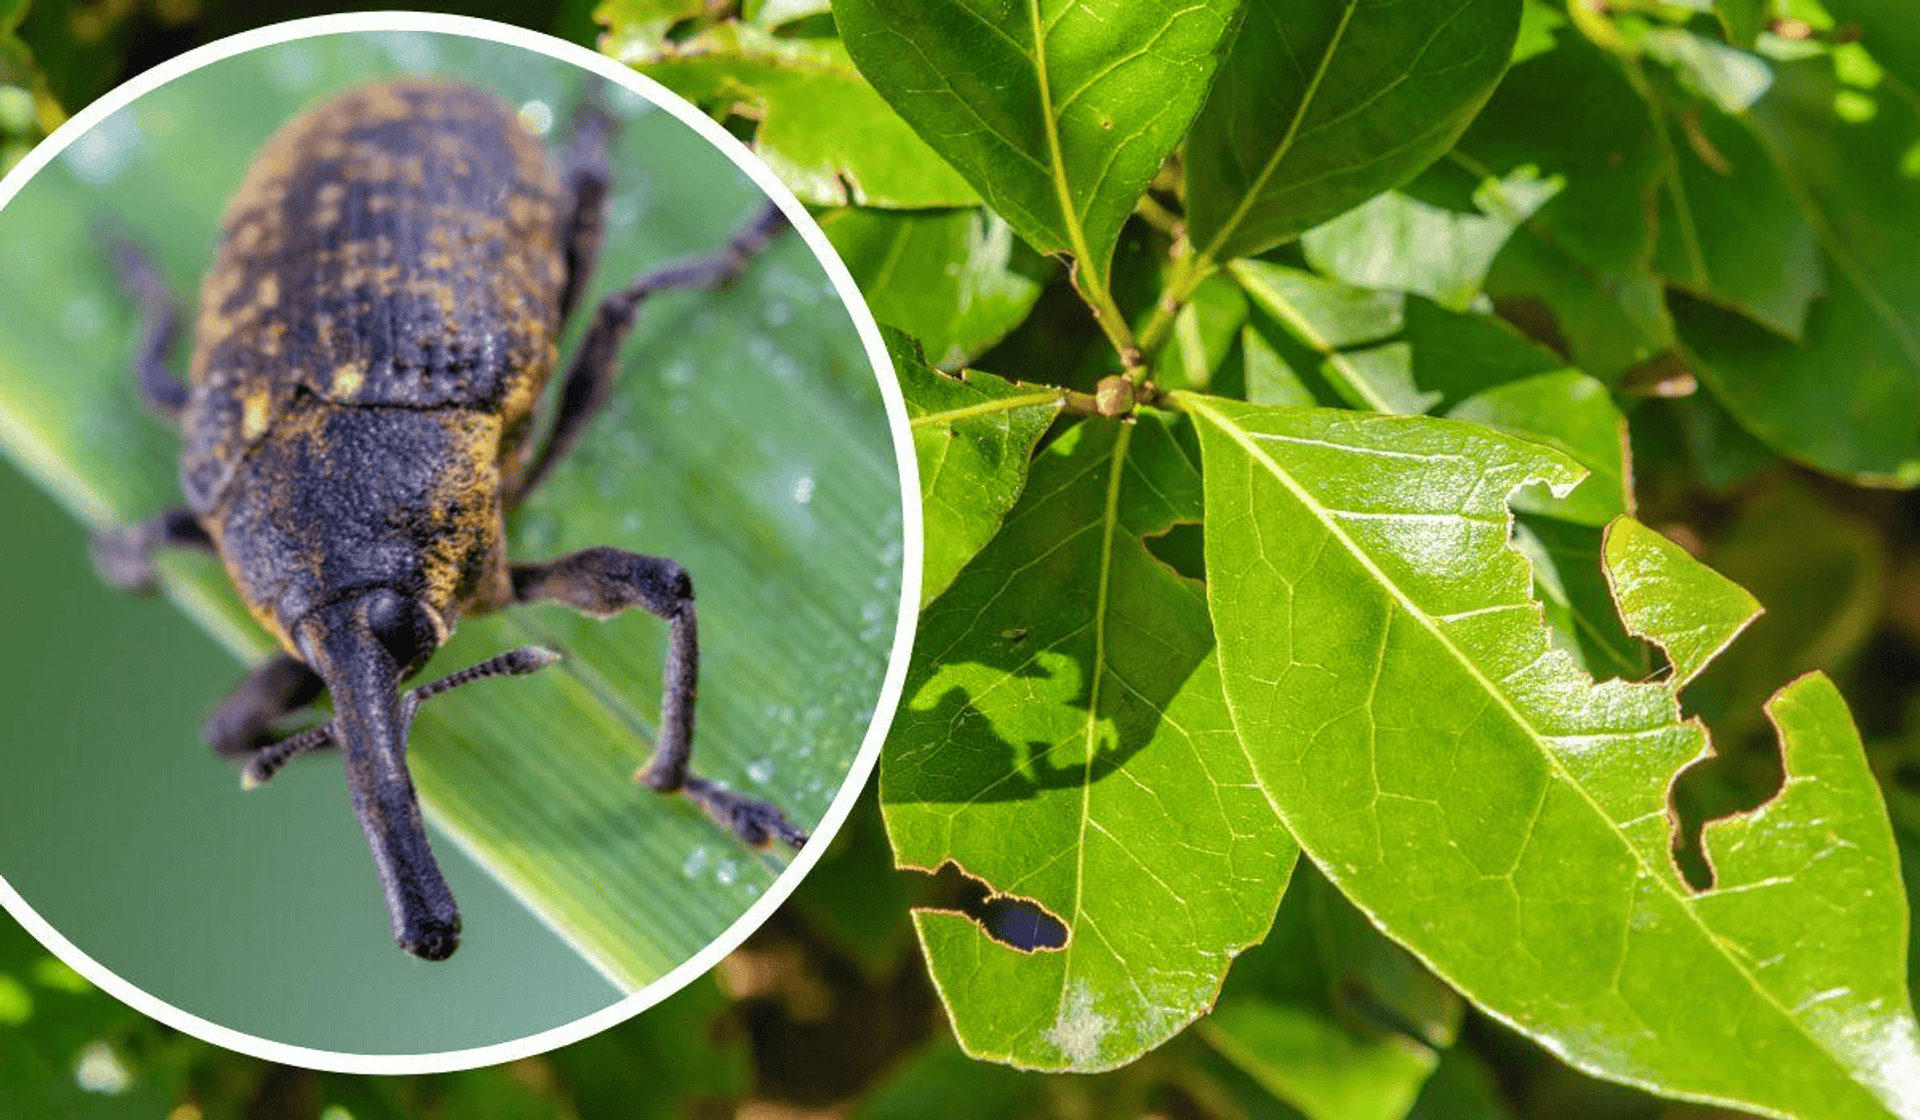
379	319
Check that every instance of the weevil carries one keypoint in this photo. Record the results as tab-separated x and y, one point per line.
373	341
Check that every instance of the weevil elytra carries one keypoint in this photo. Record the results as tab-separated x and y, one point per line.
373	340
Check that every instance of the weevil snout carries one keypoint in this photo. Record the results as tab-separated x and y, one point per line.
356	645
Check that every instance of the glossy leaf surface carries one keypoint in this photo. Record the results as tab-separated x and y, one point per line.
1692	610
1506	818
1324	104
1380	351
956	280
1058	111
821	128
1063	739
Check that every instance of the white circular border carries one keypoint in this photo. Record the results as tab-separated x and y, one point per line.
891	686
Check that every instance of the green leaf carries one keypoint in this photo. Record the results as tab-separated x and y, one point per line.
955	280
778	13
1378	643
1329	320
1668	597
1846	397
1058	111
746	439
1064	740
1723	453
1328	1015
1540	21
1399	243
1324	104
972	435
822	129
1270	379
618	16
1731	230
1572	116
1462	1088
1471	367
1572	413
1203	334
1608	325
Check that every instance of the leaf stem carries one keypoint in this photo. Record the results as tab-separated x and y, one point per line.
1157	215
1189	270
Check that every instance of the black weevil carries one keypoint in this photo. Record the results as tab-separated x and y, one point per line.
373	340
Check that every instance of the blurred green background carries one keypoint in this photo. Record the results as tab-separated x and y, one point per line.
262	912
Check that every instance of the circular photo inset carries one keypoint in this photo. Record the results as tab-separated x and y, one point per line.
434	371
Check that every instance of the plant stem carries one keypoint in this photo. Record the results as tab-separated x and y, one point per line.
1188	272
1157	215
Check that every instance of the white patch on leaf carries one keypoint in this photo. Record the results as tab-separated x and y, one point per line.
1079	1030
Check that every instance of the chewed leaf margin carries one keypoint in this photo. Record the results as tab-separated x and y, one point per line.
1405	611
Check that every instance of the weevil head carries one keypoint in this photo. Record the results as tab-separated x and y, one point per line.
336	503
362	645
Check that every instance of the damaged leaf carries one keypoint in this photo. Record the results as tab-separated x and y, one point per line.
1504	817
1666	595
1063	738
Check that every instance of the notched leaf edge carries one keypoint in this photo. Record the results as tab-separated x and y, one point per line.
993	911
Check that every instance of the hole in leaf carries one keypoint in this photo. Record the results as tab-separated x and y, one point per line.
1018	923
1182	549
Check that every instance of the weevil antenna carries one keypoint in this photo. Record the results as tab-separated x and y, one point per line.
518	661
370	721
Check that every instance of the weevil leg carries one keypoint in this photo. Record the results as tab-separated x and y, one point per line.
585	161
596	366
240	725
124	557
605	581
159	324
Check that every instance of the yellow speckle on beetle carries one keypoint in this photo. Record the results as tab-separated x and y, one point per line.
254	419
348	378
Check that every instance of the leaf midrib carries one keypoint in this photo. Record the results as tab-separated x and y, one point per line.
1201	407
1063	192
985	408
